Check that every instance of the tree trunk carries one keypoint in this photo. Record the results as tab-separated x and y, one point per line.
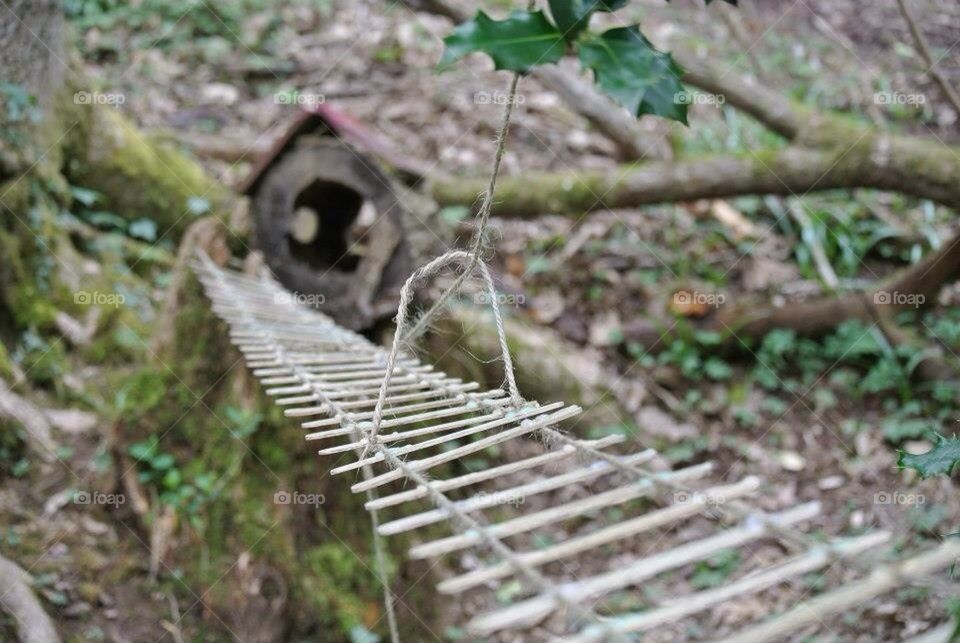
32	42
77	137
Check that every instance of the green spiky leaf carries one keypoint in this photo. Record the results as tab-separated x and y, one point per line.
572	16
517	43
638	76
942	459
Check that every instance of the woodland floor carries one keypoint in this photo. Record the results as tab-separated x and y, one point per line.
822	418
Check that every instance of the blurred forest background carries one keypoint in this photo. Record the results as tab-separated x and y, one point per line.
802	328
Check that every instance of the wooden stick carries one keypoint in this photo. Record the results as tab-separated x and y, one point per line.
490	474
393	399
676	609
613	533
526	427
515	495
403	435
532	611
883	579
529	522
509	416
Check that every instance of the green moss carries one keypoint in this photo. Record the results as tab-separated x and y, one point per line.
166	179
831	130
45	364
341	586
6	364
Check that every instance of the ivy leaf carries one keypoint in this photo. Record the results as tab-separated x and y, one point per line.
145	229
517	43
630	69
942	459
572	16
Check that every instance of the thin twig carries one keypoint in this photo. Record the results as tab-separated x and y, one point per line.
924	47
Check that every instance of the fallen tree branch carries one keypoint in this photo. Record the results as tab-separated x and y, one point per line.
908	289
901	164
17	599
924	47
777	113
922	281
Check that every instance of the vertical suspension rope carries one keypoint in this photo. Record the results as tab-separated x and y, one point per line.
478	243
380	555
473	259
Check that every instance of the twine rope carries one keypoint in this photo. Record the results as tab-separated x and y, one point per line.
472	261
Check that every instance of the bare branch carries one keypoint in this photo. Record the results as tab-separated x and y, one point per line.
924	47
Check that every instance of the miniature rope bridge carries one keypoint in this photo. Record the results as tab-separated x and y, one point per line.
561	518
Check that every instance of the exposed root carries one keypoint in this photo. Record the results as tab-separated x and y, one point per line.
17	599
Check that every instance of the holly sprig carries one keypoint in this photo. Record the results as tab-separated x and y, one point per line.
942	459
624	63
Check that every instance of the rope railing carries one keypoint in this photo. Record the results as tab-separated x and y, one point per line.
335	381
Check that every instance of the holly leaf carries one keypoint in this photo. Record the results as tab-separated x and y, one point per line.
517	43
942	459
631	70
572	16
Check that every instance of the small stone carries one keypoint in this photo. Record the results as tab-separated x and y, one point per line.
578	139
606	330
889	607
916	447
77	609
219	93
548	306
857	519
94	527
792	461
831	482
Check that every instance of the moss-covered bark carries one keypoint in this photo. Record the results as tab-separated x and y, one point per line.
859	159
109	154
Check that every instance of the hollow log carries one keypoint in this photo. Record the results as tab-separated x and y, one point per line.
329	223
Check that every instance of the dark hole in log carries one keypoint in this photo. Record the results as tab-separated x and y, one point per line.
320	232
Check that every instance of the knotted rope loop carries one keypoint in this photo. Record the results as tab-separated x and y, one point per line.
406	298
